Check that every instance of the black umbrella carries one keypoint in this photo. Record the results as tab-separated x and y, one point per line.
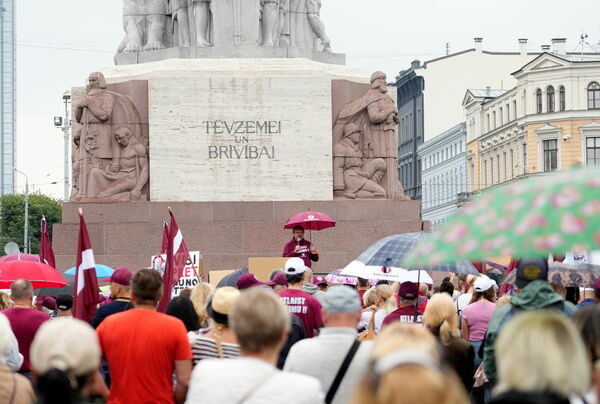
54	292
231	279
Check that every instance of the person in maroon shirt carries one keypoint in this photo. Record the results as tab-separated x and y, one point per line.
298	302
299	247
362	285
24	320
406	311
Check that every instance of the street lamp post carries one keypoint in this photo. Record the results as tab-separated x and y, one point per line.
65	128
65	124
26	221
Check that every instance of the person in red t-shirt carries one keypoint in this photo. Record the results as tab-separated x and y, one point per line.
143	348
299	247
406	311
298	302
24	320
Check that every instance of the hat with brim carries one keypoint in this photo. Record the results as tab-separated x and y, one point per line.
219	306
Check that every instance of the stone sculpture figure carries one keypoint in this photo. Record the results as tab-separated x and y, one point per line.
99	113
269	24
180	13
75	164
145	23
94	113
354	176
376	114
127	182
201	12
317	25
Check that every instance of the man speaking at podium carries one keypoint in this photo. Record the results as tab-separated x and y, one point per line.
299	247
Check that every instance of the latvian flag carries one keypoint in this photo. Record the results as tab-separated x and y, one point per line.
177	257
46	252
86	284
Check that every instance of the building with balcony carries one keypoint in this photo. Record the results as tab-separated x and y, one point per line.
549	121
430	95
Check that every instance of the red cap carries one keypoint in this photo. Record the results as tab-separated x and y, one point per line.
122	276
279	279
318	280
248	281
408	291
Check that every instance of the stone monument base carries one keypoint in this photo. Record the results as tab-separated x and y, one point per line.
222	52
228	233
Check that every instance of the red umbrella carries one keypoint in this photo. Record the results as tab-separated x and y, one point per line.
310	221
20	257
40	275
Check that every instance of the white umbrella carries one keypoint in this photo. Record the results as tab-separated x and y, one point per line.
394	274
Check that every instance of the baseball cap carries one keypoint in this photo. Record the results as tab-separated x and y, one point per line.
531	270
294	266
279	279
248	281
49	303
408	291
122	276
66	344
319	280
64	302
483	283
341	299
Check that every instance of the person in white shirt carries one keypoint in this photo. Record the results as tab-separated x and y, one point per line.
322	357
261	322
378	302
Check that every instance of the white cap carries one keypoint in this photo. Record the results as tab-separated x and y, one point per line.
294	266
483	283
66	344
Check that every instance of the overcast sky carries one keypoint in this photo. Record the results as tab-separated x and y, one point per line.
60	41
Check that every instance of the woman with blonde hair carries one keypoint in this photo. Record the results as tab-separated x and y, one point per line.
199	297
405	369
5	302
218	341
541	359
441	319
378	302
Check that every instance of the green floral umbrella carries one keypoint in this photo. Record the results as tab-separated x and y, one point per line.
555	213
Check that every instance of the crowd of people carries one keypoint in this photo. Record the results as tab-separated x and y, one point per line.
296	339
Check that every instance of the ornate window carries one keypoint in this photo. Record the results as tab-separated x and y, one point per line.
592	151
538	100
550	155
550	99
593	92
562	98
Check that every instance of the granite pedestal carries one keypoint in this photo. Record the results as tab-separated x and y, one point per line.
228	233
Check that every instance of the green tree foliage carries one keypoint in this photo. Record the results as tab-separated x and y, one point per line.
12	215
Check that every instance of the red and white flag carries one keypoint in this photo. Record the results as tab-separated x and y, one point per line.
46	252
86	283
165	238
177	257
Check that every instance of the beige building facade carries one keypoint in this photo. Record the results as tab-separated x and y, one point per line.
549	121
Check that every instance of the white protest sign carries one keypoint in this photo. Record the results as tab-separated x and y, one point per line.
189	278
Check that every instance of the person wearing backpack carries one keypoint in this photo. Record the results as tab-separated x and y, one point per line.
533	293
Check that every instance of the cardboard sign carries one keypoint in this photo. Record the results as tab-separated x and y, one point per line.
191	271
